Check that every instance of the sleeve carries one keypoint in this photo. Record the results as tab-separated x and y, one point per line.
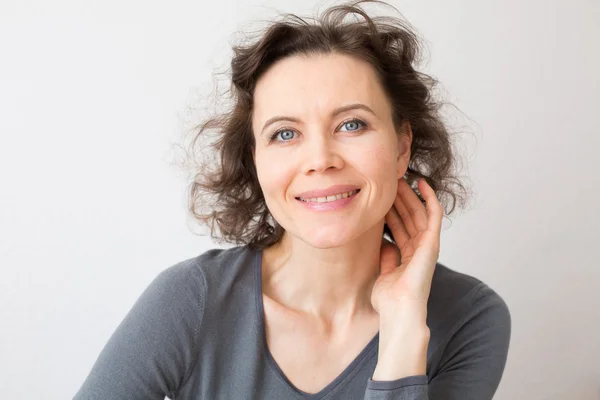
473	361
154	348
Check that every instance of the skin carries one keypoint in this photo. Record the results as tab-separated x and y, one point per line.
331	273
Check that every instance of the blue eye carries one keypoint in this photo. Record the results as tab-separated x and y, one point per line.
285	135
354	125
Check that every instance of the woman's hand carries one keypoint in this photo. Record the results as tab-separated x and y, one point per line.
416	230
401	292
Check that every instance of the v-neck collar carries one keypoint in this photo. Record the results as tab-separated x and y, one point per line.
362	356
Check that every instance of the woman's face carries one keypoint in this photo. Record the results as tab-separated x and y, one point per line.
327	155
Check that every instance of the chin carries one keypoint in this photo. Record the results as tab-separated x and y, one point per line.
324	244
327	238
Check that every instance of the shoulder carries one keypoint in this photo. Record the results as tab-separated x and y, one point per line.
210	274
196	270
470	327
458	298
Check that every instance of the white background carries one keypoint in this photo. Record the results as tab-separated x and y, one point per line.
93	94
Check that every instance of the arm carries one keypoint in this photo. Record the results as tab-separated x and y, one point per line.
152	351
473	360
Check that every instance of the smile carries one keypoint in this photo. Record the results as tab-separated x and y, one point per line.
329	199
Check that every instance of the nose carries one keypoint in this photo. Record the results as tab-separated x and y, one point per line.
320	154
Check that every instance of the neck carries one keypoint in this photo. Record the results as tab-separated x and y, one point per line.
330	284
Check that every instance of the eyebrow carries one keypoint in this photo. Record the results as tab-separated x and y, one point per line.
337	111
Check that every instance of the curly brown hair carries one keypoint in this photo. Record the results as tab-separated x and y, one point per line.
225	193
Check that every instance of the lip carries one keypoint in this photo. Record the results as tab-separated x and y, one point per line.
335	205
330	191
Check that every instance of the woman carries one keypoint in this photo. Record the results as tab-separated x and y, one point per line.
330	129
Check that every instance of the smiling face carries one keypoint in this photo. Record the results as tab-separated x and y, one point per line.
327	155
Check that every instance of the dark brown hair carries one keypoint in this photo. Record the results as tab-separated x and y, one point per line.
225	193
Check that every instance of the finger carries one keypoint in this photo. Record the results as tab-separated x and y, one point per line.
389	259
404	215
421	269
403	211
435	211
415	208
397	227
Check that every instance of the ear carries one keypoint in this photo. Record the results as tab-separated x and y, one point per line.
405	137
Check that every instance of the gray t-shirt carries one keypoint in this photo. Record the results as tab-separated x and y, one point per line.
198	332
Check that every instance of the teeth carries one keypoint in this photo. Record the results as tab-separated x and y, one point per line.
327	199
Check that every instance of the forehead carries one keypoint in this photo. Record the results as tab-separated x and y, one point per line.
315	84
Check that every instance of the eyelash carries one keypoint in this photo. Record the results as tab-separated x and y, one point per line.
363	124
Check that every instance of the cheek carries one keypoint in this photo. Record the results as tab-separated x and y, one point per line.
379	164
273	175
380	168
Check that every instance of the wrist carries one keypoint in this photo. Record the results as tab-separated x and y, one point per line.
402	357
